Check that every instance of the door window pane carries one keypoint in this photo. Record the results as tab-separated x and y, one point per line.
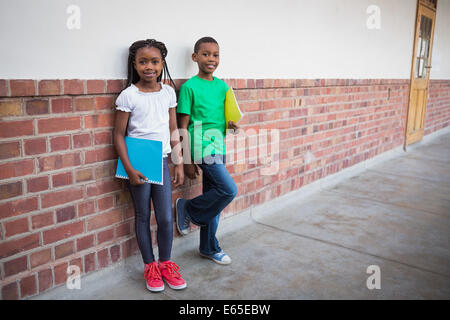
423	47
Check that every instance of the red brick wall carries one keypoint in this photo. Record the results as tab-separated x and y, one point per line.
437	115
60	204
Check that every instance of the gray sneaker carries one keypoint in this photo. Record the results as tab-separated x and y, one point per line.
181	217
219	257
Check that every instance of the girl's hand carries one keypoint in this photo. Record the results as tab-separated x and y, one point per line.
191	170
178	178
233	126
136	177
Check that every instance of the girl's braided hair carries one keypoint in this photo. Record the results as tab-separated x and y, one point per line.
133	76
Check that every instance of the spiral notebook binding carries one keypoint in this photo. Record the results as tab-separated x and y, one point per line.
148	181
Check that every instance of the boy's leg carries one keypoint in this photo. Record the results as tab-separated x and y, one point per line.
208	241
162	202
202	209
140	195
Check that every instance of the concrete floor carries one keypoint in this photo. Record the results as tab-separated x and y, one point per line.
317	243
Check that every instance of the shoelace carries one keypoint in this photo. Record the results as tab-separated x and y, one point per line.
172	268
152	272
186	222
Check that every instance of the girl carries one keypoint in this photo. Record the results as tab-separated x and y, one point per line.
146	109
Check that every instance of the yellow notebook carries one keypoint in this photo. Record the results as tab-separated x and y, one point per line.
232	110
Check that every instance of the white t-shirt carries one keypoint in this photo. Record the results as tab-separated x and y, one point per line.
149	118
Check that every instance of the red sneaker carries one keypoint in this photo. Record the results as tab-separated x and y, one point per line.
152	276
169	272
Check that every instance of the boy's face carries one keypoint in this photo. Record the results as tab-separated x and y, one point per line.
207	58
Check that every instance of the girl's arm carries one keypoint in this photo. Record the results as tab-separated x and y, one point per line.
121	148
177	157
191	169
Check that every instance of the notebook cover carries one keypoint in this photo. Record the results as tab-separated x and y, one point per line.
146	157
232	110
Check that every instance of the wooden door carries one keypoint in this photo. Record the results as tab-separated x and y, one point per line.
420	70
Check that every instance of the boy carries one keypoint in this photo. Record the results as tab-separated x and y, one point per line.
201	112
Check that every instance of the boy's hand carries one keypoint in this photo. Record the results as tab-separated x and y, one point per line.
136	178
191	170
178	174
233	126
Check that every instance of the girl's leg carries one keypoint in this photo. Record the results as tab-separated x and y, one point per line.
141	200
162	202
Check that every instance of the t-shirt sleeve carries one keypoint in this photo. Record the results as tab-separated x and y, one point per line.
185	100
123	102
172	98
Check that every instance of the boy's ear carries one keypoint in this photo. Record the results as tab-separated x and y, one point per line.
194	57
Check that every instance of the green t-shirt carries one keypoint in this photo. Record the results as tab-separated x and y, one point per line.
204	101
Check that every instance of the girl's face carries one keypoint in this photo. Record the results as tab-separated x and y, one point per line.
148	64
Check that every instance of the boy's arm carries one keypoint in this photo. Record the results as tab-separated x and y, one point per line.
190	169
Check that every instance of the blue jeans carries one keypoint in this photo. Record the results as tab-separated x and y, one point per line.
161	196
219	190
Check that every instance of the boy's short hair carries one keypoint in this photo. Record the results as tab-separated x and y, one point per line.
203	40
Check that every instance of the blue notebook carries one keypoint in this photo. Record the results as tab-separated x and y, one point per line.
146	157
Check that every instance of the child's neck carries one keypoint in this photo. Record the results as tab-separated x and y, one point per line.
148	86
206	76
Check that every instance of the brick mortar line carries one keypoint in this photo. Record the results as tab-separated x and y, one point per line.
58	153
51	189
343	102
308	107
302	174
54	209
79	254
96	147
51	245
50	116
435	83
93	112
95	165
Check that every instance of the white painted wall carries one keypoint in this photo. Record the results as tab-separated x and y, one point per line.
440	59
258	38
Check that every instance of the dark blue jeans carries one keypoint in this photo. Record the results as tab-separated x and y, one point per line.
161	196
219	190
